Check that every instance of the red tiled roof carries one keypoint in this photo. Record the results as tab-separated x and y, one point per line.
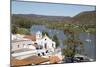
27	61
54	59
32	37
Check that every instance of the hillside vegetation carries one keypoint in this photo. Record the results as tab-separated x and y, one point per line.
88	17
85	20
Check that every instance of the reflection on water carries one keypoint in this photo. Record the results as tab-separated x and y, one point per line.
89	40
89	44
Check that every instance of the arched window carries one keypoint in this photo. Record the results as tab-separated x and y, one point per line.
45	45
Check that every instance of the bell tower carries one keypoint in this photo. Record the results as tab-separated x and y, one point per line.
38	35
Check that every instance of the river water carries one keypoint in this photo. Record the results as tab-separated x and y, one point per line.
89	40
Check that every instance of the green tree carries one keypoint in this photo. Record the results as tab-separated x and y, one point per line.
23	31
68	52
55	38
14	29
72	42
45	33
72	45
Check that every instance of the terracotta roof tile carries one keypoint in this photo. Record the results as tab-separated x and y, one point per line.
54	59
27	61
32	37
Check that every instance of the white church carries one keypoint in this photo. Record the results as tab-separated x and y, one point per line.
44	42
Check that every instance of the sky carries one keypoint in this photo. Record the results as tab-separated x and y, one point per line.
50	9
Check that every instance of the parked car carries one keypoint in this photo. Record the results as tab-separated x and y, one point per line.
68	60
75	59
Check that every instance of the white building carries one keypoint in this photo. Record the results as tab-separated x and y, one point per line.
18	42
44	42
22	47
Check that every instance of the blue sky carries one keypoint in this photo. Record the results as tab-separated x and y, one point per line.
48	8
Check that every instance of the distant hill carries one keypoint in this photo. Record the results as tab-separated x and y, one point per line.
35	17
87	17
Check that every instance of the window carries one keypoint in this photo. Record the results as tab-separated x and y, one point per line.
47	51
52	45
41	47
35	43
18	46
37	48
29	44
45	45
43	53
39	54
